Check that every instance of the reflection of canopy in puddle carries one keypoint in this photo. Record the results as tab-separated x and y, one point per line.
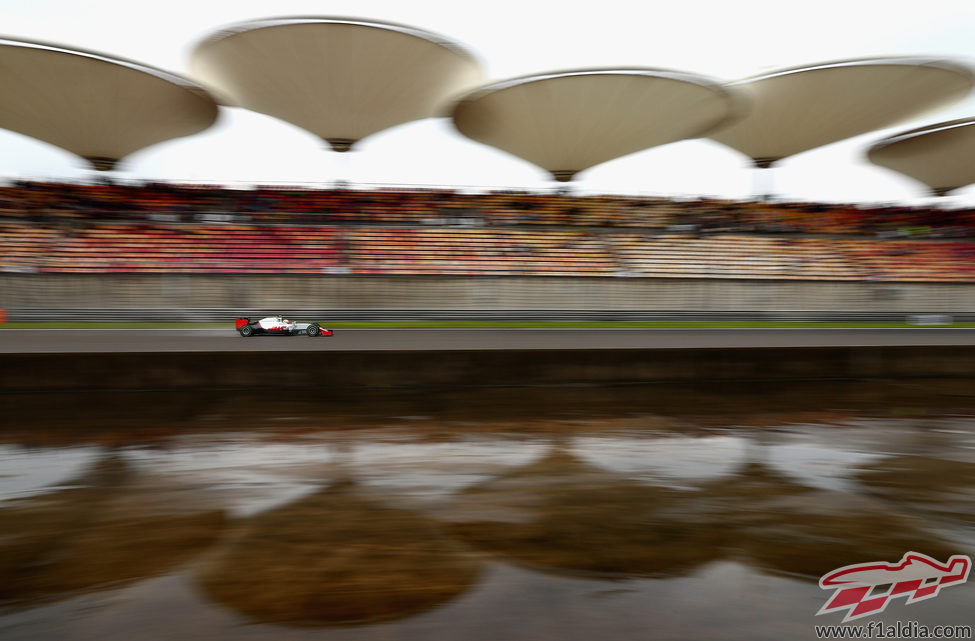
933	485
31	471
335	557
663	457
244	477
702	458
561	515
783	526
95	534
435	470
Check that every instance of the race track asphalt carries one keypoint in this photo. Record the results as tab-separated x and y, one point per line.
219	340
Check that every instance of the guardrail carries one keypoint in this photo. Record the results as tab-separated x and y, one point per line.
158	315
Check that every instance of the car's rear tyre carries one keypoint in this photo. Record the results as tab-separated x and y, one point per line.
246	330
313	330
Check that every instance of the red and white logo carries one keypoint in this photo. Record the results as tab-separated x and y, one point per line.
916	576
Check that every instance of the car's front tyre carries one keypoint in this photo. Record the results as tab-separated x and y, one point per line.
246	330
313	330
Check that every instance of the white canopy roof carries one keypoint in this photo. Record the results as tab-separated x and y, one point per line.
942	156
99	107
794	110
568	121
338	78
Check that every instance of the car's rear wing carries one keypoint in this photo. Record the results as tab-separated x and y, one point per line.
240	322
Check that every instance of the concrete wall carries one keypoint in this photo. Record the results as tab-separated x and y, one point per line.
506	293
331	372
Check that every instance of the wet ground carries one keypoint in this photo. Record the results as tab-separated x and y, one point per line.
633	512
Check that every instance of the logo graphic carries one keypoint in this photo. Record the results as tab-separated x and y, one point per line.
866	588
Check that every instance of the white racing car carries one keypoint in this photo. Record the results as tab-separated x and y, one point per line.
279	326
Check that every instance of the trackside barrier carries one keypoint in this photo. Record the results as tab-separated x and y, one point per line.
930	319
337	372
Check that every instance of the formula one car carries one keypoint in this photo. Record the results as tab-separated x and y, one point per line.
279	326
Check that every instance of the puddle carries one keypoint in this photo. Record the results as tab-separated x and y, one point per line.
675	513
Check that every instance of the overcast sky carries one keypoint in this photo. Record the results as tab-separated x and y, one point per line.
721	39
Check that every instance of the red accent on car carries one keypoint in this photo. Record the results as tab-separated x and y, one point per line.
240	322
326	332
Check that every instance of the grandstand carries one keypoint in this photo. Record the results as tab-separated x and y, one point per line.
53	228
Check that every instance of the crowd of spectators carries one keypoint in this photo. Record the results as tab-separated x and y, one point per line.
56	202
208	229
